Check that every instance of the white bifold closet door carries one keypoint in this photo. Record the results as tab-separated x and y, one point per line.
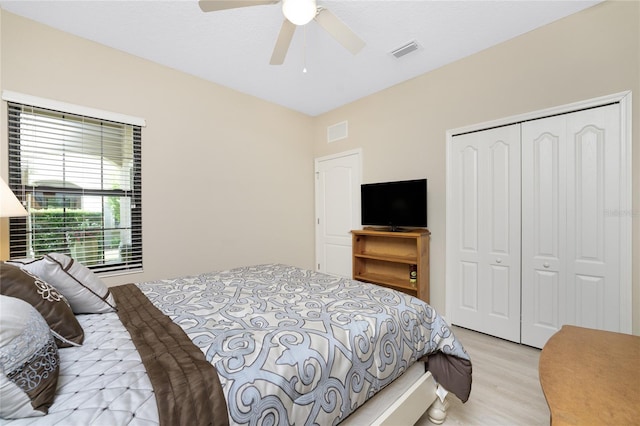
536	234
570	233
486	231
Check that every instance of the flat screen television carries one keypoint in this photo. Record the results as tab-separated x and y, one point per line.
395	204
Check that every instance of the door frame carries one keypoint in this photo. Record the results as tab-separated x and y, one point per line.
624	99
318	211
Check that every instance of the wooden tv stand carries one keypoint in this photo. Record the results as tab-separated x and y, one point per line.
591	377
385	258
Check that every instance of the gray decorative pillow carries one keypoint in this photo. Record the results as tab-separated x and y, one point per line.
28	359
86	293
47	300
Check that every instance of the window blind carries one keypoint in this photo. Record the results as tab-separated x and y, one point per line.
80	179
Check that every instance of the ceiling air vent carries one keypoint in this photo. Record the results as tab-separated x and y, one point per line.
412	46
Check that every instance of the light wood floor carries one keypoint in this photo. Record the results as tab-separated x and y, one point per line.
505	388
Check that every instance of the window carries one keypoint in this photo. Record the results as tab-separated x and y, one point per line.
80	179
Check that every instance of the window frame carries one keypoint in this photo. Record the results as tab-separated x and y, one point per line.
133	262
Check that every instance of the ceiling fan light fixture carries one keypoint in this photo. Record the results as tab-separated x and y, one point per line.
299	12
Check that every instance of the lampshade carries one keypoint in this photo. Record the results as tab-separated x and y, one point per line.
9	205
299	12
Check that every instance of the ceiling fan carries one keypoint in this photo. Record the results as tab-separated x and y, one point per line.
296	12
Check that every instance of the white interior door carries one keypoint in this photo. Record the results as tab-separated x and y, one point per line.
576	221
484	232
572	185
338	180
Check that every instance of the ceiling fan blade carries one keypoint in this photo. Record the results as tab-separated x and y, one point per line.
283	42
339	31
213	5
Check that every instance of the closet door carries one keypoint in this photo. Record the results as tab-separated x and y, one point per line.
485	231
570	230
544	228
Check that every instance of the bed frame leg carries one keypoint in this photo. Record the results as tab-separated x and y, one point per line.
437	412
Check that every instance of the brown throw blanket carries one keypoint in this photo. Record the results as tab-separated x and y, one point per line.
453	373
187	387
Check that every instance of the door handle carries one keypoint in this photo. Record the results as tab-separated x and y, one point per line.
498	260
545	264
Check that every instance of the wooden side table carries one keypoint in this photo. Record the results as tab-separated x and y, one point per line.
591	377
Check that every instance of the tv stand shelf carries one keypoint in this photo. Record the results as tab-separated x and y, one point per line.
385	258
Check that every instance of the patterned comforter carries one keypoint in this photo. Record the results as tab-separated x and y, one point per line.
292	346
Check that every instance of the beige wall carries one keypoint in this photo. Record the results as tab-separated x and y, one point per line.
402	130
227	178
248	193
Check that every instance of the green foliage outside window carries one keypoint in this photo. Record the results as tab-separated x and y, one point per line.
57	230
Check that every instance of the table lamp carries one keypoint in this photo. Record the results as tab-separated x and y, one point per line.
10	206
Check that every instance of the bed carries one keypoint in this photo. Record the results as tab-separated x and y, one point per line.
268	344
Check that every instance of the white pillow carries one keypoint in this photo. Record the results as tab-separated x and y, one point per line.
29	360
85	292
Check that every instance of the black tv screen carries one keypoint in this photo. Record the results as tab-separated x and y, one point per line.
395	204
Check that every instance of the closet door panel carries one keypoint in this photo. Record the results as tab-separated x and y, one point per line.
590	301
468	192
543	228
501	213
571	179
486	217
465	233
545	309
589	180
543	180
469	287
594	162
470	254
499	306
498	193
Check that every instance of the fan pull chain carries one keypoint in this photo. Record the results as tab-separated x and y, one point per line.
304	51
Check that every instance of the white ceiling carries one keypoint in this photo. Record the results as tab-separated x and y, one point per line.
233	47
